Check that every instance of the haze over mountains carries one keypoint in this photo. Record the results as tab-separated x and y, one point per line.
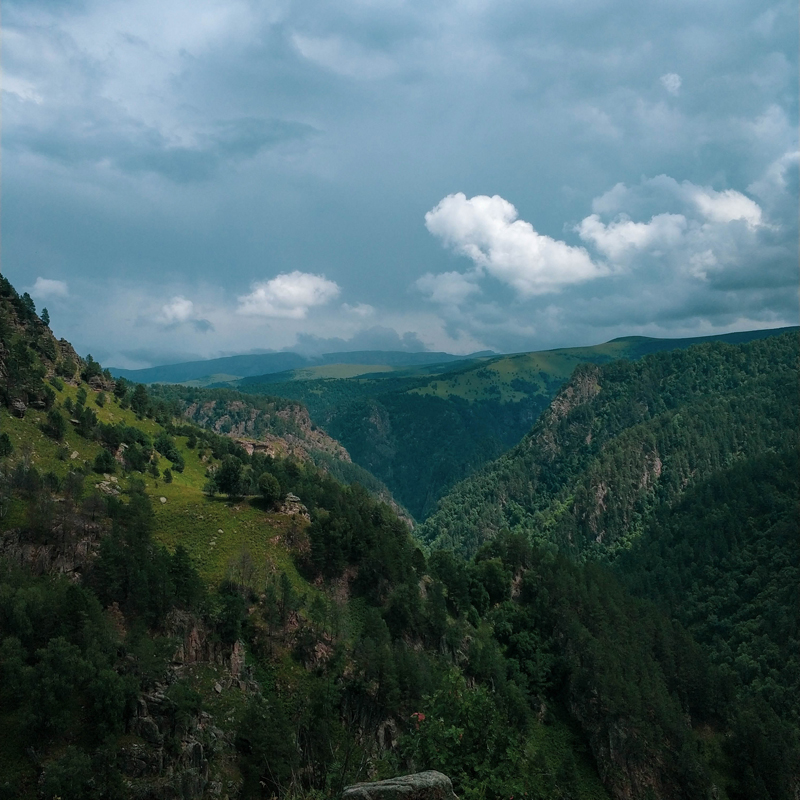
232	368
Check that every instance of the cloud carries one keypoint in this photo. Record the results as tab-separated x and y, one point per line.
447	288
288	296
486	230
45	288
362	310
714	230
622	236
671	82
179	309
147	141
727	206
346	58
378	337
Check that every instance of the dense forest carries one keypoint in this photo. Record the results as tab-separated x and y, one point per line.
421	431
622	437
180	617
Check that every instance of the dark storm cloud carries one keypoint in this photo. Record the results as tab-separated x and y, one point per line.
192	150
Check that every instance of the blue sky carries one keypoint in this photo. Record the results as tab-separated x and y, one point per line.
191	179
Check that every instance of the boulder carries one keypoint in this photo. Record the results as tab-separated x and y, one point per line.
430	785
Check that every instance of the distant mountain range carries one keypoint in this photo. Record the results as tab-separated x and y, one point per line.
287	366
232	368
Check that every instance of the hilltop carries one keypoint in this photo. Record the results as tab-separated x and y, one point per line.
230	369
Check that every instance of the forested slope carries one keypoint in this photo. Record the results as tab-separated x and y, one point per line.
183	618
422	433
620	438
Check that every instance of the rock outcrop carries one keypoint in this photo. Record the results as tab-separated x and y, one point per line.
430	785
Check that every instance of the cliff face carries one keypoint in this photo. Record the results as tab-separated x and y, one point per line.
286	431
621	437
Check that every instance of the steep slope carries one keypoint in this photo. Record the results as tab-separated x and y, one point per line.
725	561
271	426
159	640
422	433
619	438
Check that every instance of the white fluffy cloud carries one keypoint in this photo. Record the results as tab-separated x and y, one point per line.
486	230
714	231
622	236
727	206
288	296
671	82
179	309
447	288
45	287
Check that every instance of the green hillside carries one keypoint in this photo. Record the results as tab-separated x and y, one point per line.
421	430
619	437
183	618
232	368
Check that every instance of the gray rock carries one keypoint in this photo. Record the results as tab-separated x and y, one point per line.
148	730
430	785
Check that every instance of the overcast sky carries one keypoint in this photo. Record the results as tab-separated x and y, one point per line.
192	178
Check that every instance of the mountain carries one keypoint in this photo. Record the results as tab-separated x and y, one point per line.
620	436
182	616
421	430
232	368
681	472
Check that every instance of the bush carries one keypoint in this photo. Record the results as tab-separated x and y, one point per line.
104	462
270	488
56	425
6	448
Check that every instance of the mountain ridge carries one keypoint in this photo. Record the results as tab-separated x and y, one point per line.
249	365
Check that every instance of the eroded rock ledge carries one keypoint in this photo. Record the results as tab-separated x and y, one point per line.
429	785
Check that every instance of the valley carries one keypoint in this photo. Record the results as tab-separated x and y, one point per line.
217	592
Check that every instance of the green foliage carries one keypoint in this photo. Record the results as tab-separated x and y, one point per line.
623	437
725	562
266	743
141	577
140	402
165	445
519	672
228	478
270	488
91	369
6	448
104	462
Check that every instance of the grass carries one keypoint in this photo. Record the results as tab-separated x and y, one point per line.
214	532
495	378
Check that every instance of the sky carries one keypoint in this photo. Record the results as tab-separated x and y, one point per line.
190	179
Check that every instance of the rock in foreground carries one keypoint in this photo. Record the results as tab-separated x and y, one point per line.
430	785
